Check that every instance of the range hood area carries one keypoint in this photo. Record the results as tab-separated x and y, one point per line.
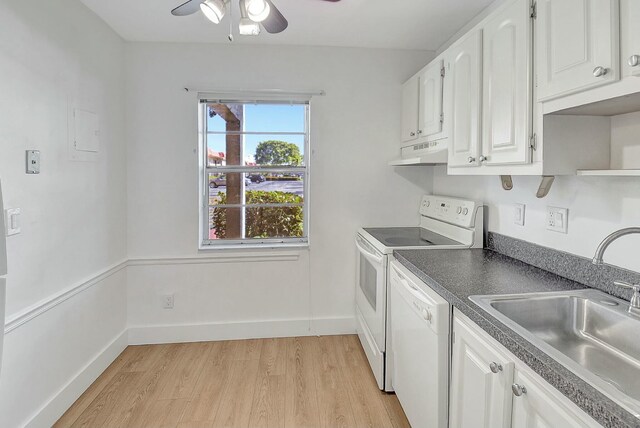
428	153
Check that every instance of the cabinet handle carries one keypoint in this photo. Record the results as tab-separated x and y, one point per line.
471	159
634	60
518	390
413	134
495	367
484	158
599	71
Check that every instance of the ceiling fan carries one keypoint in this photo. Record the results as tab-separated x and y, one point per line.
253	13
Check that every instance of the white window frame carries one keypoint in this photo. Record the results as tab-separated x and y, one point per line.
204	242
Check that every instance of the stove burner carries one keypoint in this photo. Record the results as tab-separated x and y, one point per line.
409	237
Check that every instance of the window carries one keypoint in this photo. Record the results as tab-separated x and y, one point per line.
254	173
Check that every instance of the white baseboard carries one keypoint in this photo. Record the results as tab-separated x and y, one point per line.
144	335
68	394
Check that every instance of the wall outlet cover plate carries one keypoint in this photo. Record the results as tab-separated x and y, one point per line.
557	219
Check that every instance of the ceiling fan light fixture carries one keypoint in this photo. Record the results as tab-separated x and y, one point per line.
248	28
258	10
213	9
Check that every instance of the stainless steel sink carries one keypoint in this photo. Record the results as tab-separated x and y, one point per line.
588	331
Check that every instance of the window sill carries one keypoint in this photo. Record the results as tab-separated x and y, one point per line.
228	255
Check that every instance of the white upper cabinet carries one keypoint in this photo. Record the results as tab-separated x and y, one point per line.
481	379
507	86
577	45
410	102
465	59
431	106
630	30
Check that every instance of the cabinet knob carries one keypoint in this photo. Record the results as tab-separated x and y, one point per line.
634	60
599	71
419	131
495	367
484	158
471	159
413	134
518	390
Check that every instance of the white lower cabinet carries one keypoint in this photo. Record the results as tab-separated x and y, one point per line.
479	398
492	388
542	406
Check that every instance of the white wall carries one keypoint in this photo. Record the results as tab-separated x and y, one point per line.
354	128
54	56
597	206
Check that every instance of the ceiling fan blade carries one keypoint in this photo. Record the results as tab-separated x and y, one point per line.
187	8
275	22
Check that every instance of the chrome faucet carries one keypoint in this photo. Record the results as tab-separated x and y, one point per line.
634	306
597	259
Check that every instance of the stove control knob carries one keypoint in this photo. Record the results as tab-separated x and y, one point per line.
465	211
459	210
427	203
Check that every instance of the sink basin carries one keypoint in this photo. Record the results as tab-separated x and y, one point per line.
588	331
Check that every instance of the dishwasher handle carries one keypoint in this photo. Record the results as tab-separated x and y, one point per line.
425	310
413	289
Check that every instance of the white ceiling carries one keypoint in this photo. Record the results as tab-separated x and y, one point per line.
396	24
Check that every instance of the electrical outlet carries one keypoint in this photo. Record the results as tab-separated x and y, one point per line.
557	219
167	301
518	214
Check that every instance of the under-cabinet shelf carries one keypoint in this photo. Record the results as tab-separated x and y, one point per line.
609	172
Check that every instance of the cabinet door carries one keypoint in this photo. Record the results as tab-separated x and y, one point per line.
544	407
431	111
466	85
479	398
507	85
410	95
630	30
574	38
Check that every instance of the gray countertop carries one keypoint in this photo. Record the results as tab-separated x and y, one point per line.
458	274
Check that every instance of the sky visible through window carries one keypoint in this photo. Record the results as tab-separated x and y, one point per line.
264	118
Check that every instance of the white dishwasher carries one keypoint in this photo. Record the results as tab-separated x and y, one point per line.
420	325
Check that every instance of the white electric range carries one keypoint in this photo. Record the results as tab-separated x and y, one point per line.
445	223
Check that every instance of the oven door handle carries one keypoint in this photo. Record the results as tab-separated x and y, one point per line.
368	254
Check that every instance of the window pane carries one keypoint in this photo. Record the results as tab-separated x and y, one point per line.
267	188
259	188
254	149
273	150
225	150
263	118
274	222
259	222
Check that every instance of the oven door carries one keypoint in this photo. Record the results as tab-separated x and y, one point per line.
371	291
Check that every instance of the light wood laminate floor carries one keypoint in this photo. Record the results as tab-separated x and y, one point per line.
292	382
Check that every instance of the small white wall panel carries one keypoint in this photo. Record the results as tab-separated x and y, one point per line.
87	132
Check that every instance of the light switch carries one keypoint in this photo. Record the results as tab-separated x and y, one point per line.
518	214
33	162
12	221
